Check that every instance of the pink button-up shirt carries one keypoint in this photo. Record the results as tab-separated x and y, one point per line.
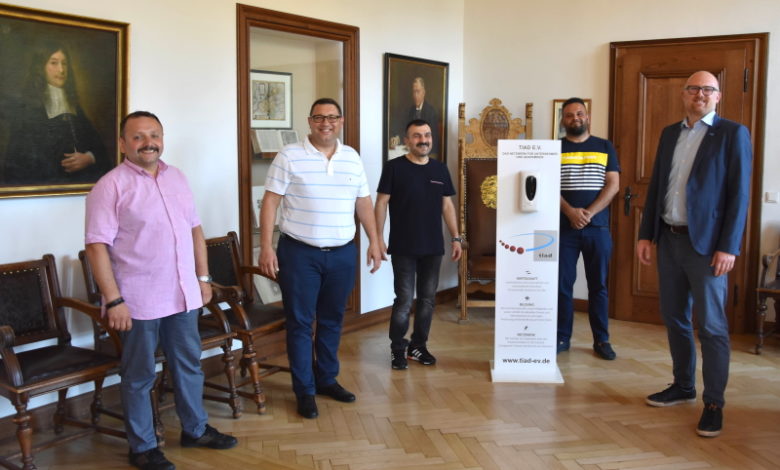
147	223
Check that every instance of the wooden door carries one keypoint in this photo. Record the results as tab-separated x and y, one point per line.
646	80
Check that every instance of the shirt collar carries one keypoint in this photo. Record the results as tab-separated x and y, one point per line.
707	119
310	148
161	167
57	102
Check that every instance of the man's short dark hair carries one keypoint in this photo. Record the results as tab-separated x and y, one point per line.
417	122
573	100
325	101
134	115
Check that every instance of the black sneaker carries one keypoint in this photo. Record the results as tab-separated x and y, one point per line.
711	421
604	350
674	395
398	360
562	346
211	438
421	355
152	459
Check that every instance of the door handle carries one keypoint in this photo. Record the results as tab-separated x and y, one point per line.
627	196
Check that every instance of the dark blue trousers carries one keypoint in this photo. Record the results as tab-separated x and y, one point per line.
595	244
315	285
685	279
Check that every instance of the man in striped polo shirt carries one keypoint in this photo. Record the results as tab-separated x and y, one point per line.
320	184
589	181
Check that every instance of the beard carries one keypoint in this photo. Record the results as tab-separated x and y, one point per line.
577	130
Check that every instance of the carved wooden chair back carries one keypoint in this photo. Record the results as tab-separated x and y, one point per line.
477	189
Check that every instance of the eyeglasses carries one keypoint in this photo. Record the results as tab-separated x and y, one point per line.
321	118
705	90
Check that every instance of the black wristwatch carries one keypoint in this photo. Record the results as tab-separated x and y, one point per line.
457	239
207	279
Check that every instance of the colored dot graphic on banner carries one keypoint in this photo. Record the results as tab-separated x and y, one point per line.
519	249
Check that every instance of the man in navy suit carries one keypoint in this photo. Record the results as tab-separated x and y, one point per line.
695	212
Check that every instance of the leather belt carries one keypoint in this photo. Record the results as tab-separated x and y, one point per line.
321	248
678	229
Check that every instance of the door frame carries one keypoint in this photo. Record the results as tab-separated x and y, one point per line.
248	17
747	321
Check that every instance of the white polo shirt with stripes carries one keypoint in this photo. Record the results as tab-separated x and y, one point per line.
318	195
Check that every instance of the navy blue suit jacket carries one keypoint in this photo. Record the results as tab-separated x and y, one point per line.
717	192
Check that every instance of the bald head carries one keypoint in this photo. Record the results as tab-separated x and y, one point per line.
700	95
702	76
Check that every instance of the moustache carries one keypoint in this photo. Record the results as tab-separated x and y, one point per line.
149	147
423	144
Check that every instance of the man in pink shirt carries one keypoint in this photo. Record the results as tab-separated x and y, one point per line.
147	250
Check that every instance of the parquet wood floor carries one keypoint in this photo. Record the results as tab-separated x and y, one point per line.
451	417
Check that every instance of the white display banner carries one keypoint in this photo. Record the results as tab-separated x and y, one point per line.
527	225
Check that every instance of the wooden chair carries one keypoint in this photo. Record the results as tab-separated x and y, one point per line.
31	311
248	316
768	288
214	332
477	162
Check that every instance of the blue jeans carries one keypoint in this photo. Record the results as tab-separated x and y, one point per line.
180	341
685	278
595	243
405	269
315	285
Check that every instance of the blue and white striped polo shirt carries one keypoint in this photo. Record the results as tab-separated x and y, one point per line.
318	203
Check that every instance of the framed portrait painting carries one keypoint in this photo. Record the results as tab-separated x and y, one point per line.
271	99
558	131
63	92
414	89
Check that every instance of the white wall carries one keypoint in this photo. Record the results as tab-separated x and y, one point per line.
183	68
534	51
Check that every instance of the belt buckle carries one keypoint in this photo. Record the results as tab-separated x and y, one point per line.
325	248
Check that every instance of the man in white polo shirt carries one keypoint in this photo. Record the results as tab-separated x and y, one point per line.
320	184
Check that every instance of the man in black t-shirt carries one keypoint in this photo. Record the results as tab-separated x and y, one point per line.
417	189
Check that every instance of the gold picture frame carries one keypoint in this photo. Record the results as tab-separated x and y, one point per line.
63	93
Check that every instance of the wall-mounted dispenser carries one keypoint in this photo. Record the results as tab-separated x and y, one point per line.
529	190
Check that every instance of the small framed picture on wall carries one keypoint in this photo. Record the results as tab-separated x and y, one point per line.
558	131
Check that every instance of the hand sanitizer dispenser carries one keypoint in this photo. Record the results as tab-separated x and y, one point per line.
529	190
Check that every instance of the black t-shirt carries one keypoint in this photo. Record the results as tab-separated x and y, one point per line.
416	196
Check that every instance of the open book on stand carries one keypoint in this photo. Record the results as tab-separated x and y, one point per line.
272	140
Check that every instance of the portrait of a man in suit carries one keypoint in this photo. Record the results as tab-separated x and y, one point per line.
416	89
